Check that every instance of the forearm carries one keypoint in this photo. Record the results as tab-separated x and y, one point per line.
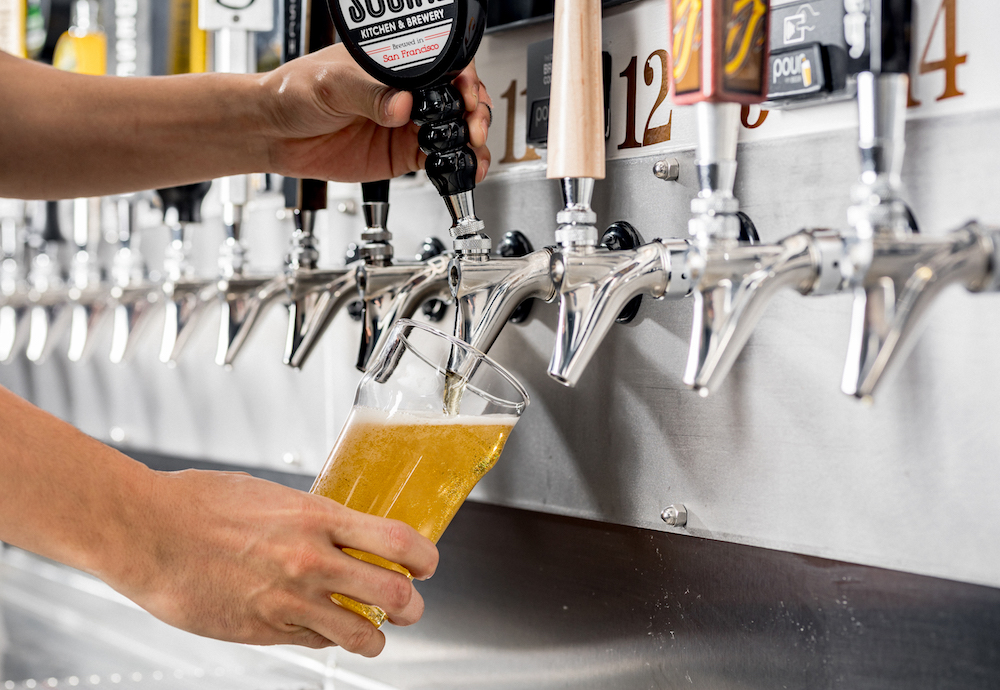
64	135
68	497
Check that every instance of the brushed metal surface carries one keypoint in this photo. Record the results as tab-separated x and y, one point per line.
528	600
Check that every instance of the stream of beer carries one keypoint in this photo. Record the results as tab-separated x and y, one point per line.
454	387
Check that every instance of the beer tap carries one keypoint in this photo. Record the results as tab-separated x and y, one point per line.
133	296
893	272
314	295
596	282
185	295
87	295
724	70
241	296
47	316
448	37
391	290
491	290
896	273
13	287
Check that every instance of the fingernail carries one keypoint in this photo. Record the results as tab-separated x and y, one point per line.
388	105
486	130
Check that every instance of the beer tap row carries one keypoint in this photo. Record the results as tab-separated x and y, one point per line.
893	271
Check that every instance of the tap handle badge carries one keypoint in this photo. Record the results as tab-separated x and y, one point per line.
720	50
411	44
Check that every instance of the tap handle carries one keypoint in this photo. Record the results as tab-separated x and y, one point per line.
576	110
305	32
305	195
879	40
375	192
52	232
424	61
720	50
444	137
186	199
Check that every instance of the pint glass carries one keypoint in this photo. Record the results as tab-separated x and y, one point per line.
430	418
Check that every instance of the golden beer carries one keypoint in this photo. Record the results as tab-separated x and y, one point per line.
413	467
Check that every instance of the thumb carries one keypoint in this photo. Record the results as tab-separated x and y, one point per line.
383	105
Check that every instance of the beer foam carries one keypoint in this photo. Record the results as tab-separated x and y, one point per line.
370	415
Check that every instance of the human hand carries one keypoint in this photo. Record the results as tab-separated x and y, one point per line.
330	120
236	558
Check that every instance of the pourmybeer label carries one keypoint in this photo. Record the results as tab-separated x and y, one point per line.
400	35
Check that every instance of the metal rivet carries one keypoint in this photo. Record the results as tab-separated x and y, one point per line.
290	458
675	515
348	207
669	169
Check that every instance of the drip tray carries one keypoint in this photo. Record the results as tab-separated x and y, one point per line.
60	628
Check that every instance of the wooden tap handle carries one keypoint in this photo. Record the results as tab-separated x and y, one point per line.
576	108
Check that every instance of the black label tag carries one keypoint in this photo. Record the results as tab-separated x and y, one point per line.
796	72
401	37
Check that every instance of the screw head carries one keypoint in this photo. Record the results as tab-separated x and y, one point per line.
675	515
668	169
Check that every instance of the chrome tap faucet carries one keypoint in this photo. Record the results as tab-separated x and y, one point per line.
14	256
185	295
594	283
732	273
241	296
314	295
490	290
393	292
47	316
134	296
89	298
396	291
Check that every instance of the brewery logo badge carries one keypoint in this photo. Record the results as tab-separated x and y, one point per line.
400	36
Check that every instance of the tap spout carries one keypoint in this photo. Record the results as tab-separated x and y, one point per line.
244	301
735	283
594	286
905	277
314	298
390	293
487	293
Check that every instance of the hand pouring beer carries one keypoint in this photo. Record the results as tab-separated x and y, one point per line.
430	419
432	414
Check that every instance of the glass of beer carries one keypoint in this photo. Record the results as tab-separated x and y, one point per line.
430	419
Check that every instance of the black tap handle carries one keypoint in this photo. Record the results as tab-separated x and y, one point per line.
375	192
304	195
889	38
308	28
444	137
52	232
186	199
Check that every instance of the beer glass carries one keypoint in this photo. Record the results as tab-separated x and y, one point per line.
430	418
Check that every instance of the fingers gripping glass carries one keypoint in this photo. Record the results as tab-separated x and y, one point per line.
430	419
